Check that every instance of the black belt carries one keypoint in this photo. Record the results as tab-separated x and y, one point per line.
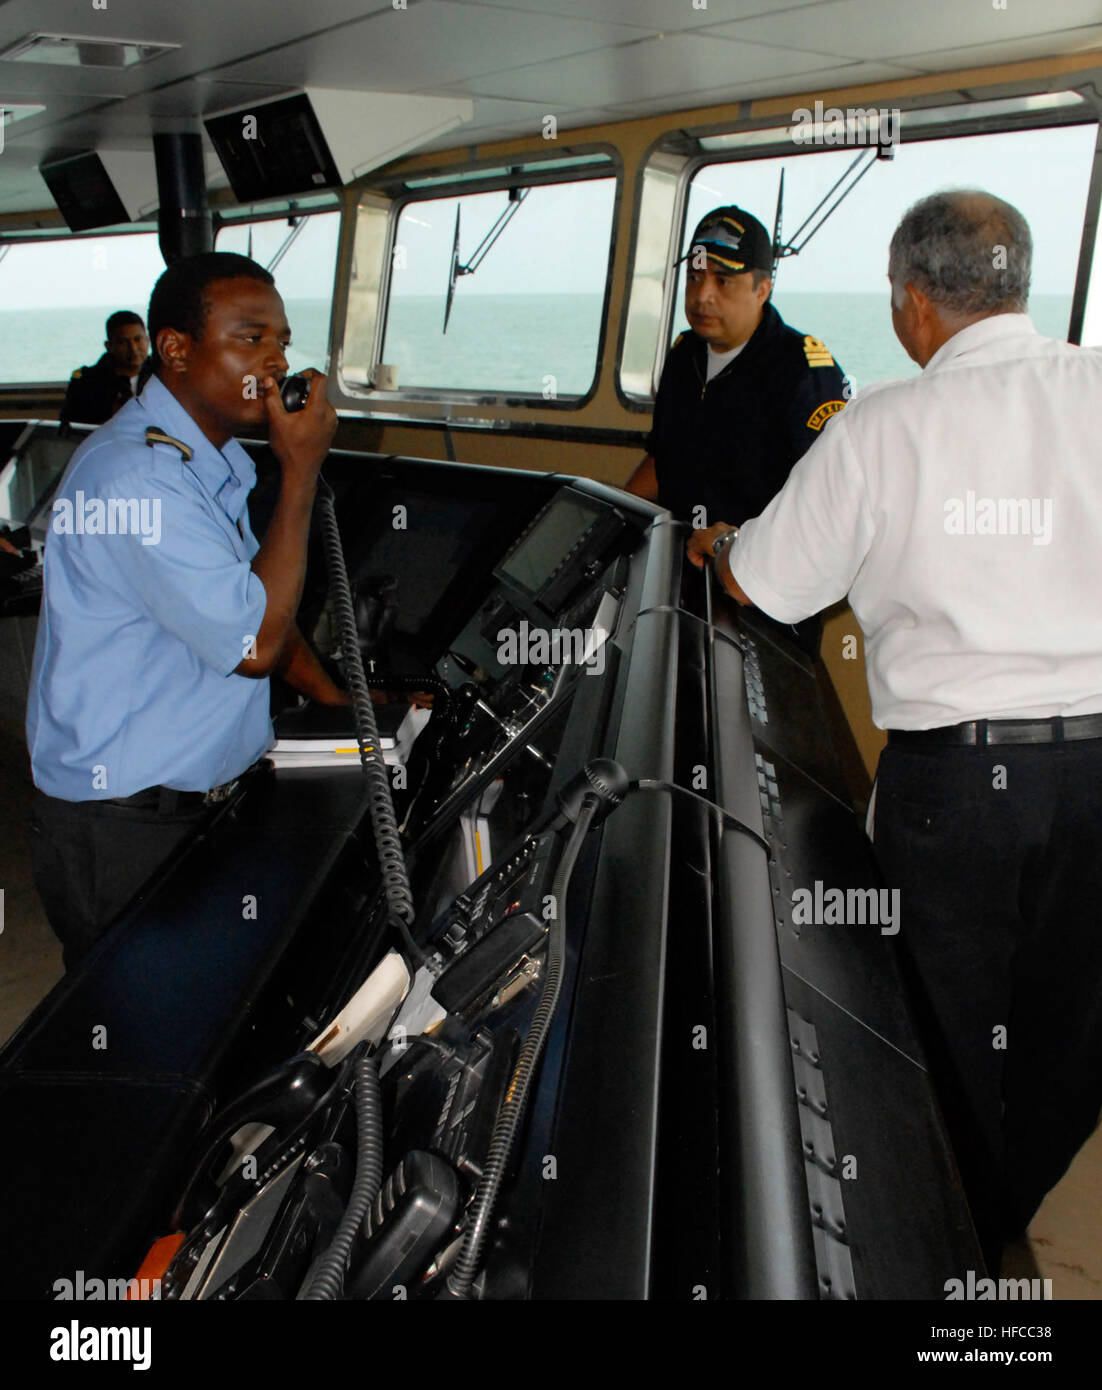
1003	731
166	801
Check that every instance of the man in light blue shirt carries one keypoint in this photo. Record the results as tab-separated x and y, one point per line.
142	629
162	617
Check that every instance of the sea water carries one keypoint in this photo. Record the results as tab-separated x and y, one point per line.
545	344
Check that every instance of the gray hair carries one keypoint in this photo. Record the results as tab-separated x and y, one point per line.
969	251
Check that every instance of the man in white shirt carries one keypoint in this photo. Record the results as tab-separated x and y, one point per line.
962	513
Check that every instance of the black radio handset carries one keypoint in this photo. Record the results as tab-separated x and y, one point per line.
293	392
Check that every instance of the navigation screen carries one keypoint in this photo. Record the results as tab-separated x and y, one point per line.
544	548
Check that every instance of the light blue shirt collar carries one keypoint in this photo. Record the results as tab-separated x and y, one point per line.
215	468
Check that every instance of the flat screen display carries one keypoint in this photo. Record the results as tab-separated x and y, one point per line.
547	544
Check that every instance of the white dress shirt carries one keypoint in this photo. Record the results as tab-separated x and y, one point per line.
961	511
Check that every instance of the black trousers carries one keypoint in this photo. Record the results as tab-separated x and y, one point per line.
997	853
91	858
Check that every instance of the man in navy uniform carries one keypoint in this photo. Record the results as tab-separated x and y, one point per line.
742	395
95	393
162	618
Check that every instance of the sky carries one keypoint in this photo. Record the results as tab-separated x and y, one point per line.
1044	173
559	238
119	272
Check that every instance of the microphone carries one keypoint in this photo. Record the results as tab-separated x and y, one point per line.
294	391
600	777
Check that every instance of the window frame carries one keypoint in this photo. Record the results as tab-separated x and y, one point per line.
526	174
688	146
322	202
39	238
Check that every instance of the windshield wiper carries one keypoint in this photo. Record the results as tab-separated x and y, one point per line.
516	197
781	249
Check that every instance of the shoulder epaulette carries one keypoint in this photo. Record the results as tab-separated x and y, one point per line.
76	374
155	436
678	339
817	353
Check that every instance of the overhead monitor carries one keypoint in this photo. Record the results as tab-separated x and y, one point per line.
323	138
99	189
273	150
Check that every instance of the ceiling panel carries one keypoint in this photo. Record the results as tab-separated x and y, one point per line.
662	16
36	134
516	127
896	28
209	33
496	119
423	48
682	64
822	80
26	80
20	168
201	97
243	27
22	192
583	60
986	55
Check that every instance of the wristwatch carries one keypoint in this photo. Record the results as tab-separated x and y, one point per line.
725	539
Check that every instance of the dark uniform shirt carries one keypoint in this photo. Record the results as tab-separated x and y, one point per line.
728	445
94	393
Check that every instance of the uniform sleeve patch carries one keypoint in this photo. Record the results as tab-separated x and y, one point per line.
823	414
817	353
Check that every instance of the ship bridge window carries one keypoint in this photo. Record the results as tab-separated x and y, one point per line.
497	292
301	252
836	289
57	293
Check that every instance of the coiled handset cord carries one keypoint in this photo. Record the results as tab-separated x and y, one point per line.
326	1283
384	822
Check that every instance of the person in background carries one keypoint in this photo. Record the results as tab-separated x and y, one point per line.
961	511
95	393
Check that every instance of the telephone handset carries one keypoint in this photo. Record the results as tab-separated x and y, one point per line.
293	391
286	1100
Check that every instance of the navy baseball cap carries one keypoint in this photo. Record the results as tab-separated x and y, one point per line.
734	238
